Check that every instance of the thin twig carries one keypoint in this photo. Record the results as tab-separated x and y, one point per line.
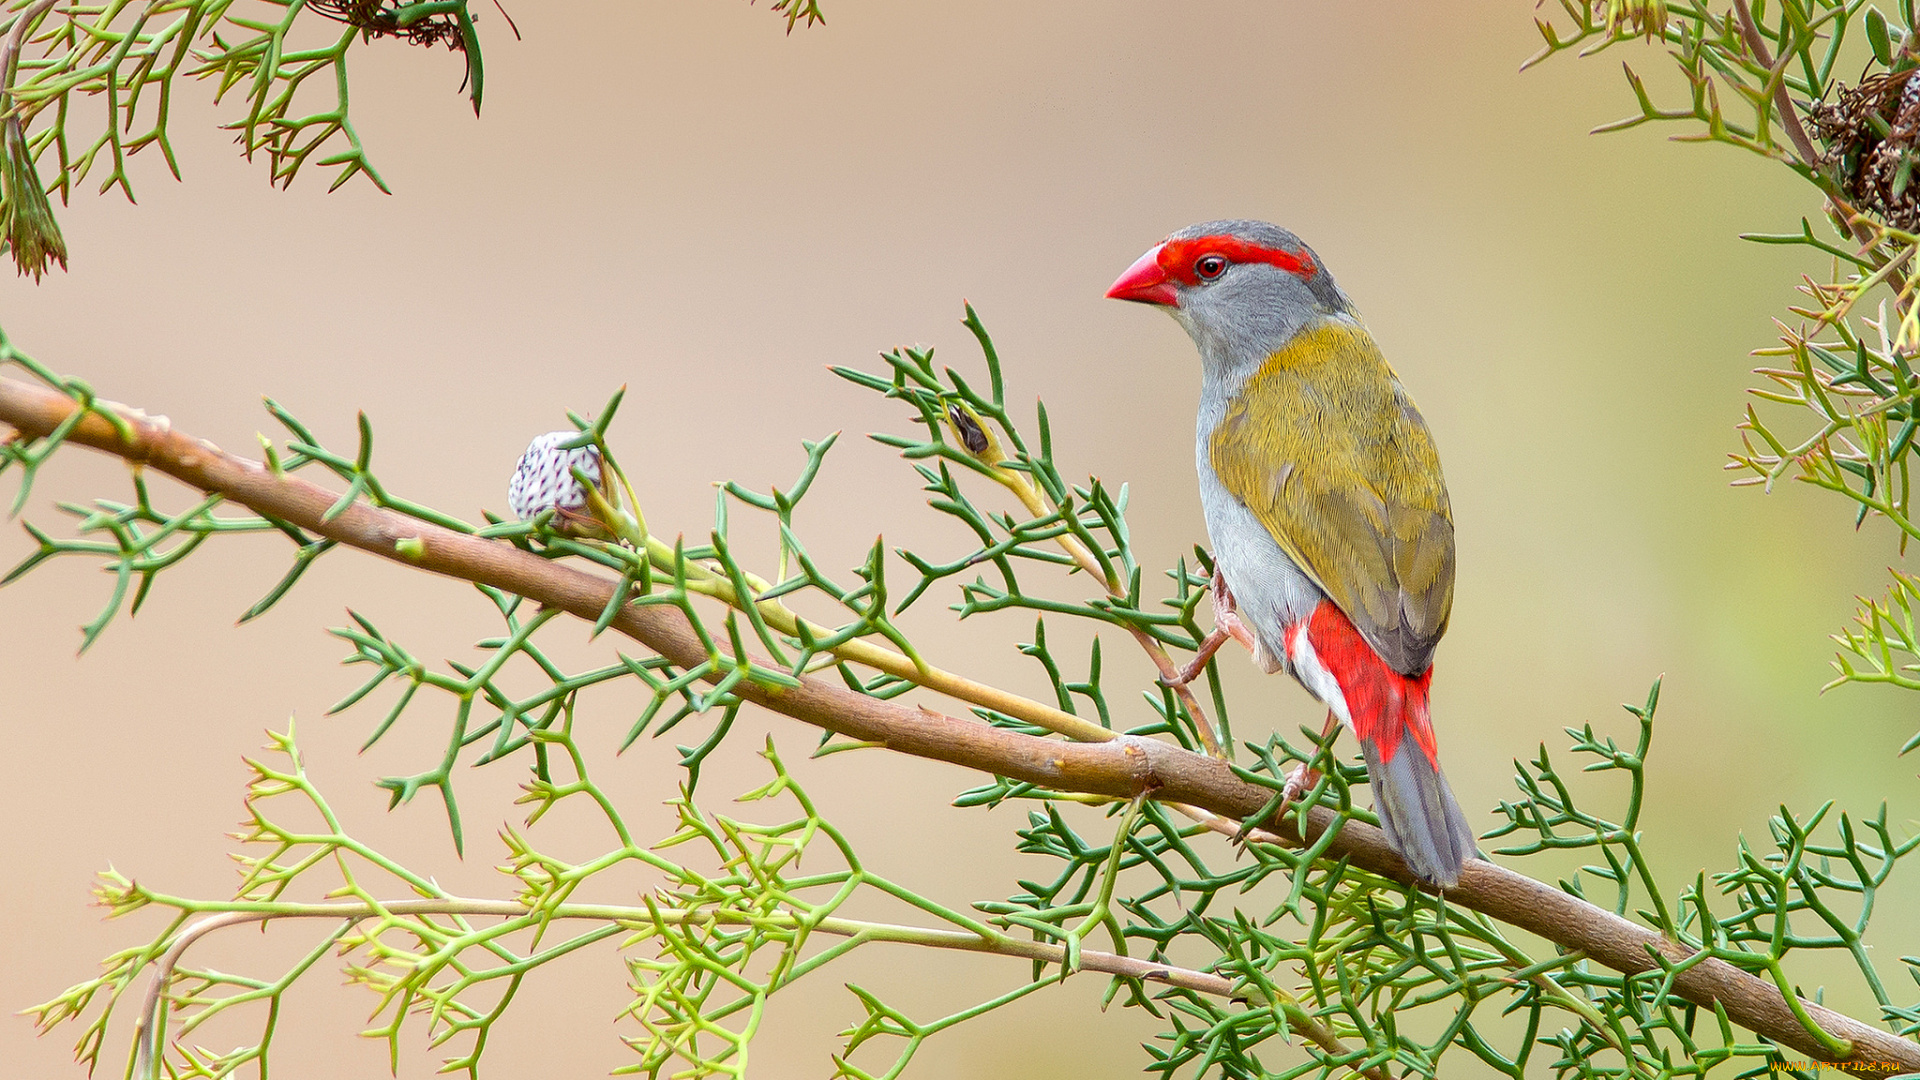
147	1025
1783	104
1030	497
881	658
10	52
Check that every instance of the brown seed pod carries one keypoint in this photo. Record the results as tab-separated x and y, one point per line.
967	429
374	18
1871	132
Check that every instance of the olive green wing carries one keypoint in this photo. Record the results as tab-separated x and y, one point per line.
1327	450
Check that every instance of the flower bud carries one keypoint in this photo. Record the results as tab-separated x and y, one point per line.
966	427
544	478
26	217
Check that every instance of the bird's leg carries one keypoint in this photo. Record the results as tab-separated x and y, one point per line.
1304	775
1226	624
1300	781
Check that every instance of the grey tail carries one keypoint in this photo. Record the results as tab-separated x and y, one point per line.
1418	813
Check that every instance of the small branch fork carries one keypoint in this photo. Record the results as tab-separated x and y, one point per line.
1122	767
23	24
1171	674
1789	117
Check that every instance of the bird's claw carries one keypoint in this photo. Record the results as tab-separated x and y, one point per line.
1261	816
1300	781
1299	784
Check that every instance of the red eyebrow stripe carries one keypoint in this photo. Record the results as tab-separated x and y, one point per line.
1177	256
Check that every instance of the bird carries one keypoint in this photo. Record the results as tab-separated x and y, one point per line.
1325	507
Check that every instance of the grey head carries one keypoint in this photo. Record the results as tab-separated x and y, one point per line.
1241	288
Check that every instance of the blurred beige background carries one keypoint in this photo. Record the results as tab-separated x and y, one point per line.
680	198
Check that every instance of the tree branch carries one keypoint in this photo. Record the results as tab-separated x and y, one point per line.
1120	768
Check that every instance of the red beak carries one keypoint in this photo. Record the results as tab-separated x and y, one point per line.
1146	282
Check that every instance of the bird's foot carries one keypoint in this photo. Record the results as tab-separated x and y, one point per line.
1226	625
1300	781
1201	656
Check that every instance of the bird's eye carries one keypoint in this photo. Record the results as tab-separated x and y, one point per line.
1208	267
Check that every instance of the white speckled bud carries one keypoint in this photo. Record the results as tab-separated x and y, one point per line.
544	478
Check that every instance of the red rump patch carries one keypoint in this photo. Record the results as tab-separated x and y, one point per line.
1178	256
1384	704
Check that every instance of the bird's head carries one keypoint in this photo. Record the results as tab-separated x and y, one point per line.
1241	288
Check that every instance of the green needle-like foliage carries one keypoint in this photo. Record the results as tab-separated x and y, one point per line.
1827	89
1260	960
281	64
